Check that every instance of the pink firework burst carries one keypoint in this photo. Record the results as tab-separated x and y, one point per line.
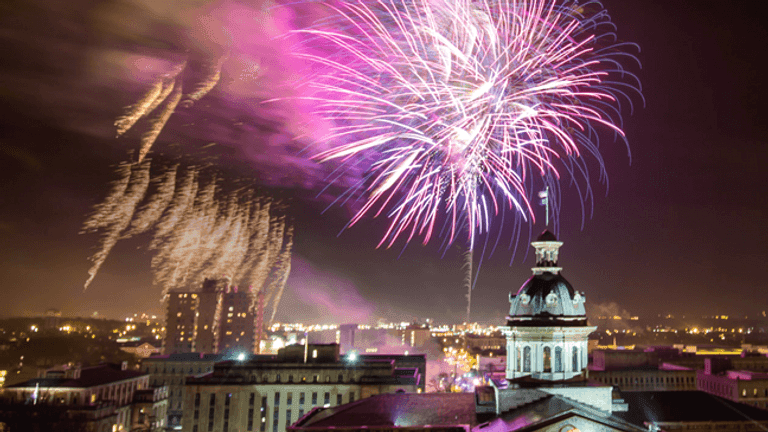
453	108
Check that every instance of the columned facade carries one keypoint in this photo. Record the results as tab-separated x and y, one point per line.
546	353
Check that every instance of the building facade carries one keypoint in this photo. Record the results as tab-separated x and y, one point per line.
269	393
99	396
216	318
170	371
750	388
647	379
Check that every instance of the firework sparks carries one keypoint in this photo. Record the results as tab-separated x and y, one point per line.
196	234
206	83
167	91
122	206
159	122
283	269
452	106
139	109
158	202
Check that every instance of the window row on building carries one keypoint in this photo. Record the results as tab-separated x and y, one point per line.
556	363
259	410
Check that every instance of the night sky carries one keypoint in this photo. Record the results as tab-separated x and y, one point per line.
682	228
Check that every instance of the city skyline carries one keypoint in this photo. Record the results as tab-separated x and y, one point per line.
680	226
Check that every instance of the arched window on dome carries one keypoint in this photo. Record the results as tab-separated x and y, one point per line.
558	359
547	359
575	359
518	364
527	359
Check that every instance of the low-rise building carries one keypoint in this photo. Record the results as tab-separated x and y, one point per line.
648	379
268	393
150	409
690	410
94	397
750	388
170	371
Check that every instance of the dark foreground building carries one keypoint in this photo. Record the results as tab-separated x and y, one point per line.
104	398
691	410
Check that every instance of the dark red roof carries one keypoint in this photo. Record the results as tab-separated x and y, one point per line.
401	410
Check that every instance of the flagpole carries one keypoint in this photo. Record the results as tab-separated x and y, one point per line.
544	195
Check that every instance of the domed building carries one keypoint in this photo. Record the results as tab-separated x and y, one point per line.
547	324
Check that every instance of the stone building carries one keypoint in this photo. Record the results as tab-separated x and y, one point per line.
547	326
268	393
170	371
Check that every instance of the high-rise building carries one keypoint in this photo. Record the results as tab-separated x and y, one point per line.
205	317
216	318
235	331
180	321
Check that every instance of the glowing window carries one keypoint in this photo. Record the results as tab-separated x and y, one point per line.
547	359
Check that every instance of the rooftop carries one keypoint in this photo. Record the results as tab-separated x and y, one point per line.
186	357
688	406
400	410
89	377
454	410
546	235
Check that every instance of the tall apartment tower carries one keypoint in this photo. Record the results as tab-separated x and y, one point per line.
180	322
236	322
217	318
209	299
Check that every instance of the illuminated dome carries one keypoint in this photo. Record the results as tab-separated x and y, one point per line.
547	298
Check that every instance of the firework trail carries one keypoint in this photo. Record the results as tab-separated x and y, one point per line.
103	213
206	83
139	109
157	124
196	233
468	258
182	199
151	212
269	257
167	92
282	270
452	107
122	209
